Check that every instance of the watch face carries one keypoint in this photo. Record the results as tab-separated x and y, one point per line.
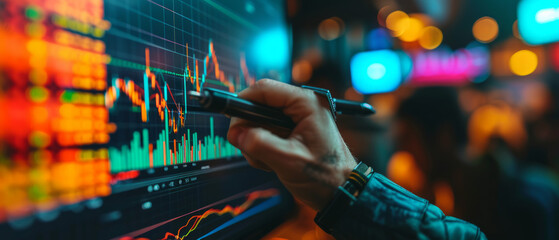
363	169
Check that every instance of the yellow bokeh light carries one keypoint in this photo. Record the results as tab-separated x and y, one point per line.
398	22
413	31
431	37
485	29
523	62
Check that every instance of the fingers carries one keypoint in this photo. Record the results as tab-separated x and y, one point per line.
296	102
261	147
237	126
241	123
257	164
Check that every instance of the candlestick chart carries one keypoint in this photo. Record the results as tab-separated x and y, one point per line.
99	132
140	154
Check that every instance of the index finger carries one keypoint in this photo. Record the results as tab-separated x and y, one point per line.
295	102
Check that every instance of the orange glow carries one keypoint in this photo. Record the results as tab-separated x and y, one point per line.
536	100
38	76
383	14
496	120
292	7
413	30
302	71
331	28
515	30
353	95
470	99
485	29
398	22
444	197
523	62
385	104
55	63
423	18
403	170
430	37
39	114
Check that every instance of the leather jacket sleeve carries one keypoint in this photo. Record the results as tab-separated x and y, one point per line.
384	210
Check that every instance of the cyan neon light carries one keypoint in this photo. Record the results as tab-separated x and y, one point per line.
406	64
376	71
538	21
547	15
271	48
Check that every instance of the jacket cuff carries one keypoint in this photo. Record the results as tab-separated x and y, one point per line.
384	210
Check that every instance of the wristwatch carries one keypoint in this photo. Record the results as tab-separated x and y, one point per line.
344	198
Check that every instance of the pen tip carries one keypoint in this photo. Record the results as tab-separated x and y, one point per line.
370	109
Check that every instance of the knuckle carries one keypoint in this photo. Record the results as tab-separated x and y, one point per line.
308	97
262	83
252	141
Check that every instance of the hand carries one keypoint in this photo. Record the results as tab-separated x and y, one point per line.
312	160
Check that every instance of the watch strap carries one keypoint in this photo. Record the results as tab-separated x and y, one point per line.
329	216
344	198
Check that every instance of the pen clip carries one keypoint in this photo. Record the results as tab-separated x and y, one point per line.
221	91
325	93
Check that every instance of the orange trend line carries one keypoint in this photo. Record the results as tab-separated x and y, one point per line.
250	80
219	75
134	92
234	211
130	90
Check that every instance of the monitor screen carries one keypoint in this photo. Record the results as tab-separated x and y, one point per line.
98	139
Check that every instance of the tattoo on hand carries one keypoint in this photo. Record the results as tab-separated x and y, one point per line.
330	158
323	171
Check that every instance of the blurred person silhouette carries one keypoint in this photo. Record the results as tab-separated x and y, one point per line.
482	183
533	190
518	148
431	139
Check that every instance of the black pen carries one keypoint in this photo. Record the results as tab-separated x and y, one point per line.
347	107
215	100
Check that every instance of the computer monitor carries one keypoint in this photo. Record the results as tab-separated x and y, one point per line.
98	139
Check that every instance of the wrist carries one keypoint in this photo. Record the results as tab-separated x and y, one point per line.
344	198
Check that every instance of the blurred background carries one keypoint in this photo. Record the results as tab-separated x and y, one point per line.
466	93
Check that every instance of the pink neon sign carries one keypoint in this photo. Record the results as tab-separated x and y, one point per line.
555	56
446	67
